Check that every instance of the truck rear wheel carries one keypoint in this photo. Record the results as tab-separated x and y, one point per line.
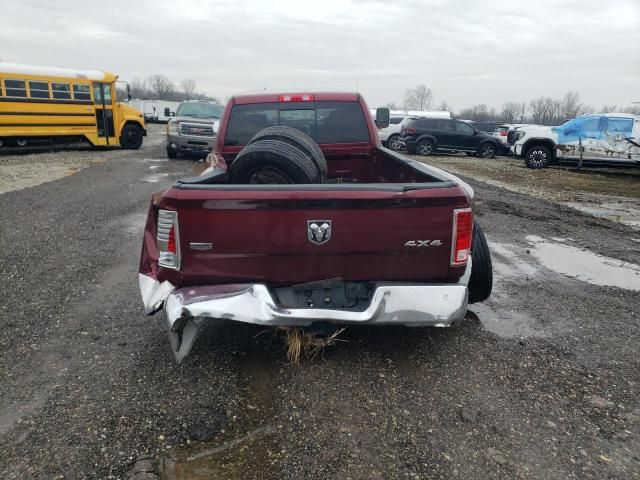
298	139
481	280
271	161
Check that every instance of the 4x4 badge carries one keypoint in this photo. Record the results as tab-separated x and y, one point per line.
319	231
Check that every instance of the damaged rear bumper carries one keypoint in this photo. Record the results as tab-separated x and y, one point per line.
412	305
186	309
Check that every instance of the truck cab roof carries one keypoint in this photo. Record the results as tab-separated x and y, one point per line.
273	97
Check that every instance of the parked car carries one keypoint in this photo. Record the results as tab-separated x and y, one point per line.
429	135
385	240
608	137
193	129
498	130
390	136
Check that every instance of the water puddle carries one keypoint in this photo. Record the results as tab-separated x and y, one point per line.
250	443
153	160
585	265
504	323
155	178
626	212
508	263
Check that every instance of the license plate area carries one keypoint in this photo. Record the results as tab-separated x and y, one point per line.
332	293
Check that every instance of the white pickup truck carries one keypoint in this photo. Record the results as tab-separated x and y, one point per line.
607	137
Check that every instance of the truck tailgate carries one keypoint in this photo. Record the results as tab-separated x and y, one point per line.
268	237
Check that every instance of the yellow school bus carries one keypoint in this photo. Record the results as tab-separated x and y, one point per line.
47	103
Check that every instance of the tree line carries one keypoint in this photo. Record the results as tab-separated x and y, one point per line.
160	87
541	110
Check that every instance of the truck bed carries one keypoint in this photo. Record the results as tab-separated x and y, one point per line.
382	206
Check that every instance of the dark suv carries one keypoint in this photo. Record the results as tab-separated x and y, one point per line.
428	135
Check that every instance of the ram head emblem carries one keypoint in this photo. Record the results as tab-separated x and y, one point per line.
319	231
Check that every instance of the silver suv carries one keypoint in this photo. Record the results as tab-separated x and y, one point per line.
194	128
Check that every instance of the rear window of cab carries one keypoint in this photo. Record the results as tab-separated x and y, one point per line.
325	122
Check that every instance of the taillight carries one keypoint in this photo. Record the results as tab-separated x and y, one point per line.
504	133
410	130
462	235
305	97
168	239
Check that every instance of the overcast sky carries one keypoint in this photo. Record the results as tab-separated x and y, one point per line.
467	52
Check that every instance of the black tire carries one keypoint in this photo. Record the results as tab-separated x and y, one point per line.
171	153
481	279
394	143
298	139
487	150
131	137
425	147
537	157
273	161
22	142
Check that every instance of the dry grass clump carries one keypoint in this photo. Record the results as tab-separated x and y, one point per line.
300	342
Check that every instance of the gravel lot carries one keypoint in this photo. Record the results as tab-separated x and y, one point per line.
539	382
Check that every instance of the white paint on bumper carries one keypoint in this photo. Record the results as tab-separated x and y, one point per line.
153	293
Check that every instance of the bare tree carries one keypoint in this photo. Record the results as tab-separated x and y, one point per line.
444	106
479	113
522	111
138	88
587	109
556	117
510	111
634	110
418	98
160	85
188	86
570	105
391	106
543	110
608	108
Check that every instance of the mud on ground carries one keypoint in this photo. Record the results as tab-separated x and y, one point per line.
611	193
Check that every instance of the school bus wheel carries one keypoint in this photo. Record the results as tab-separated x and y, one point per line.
131	137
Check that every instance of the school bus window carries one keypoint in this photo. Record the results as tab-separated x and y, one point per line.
61	91
15	88
107	94
97	93
81	92
39	89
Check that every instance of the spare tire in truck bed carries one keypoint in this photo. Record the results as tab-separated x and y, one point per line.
273	161
481	280
298	139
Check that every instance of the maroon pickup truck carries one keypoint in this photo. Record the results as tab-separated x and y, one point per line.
384	240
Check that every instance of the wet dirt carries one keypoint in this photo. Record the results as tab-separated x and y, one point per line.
584	265
610	193
248	447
